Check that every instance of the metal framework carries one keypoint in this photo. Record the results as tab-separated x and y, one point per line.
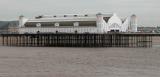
78	40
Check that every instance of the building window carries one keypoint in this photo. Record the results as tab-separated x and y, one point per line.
65	15
114	26
38	17
76	23
86	15
75	15
38	32
66	23
87	23
56	31
76	31
56	24
38	24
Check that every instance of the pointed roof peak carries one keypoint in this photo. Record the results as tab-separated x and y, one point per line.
114	14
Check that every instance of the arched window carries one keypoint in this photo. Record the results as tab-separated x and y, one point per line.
114	26
56	24
38	24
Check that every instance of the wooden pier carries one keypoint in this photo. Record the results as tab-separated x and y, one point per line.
78	40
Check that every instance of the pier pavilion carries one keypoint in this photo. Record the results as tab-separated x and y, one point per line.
87	23
89	30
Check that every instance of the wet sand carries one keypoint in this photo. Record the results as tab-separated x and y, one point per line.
79	62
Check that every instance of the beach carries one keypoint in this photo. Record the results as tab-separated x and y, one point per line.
79	62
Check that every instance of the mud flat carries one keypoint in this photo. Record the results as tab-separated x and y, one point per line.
79	62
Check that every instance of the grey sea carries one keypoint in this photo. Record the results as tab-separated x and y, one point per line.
79	62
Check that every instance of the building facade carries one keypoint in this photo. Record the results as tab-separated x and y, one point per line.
89	23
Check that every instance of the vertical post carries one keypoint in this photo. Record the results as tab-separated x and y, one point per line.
3	40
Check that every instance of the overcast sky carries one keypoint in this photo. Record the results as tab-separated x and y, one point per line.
148	11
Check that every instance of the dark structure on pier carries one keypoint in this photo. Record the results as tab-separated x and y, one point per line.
78	40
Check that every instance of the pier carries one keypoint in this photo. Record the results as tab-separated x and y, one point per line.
78	40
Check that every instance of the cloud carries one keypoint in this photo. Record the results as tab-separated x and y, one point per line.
147	10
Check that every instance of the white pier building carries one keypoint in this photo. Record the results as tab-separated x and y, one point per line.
88	23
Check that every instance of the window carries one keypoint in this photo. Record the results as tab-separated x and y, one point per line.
76	31
66	23
75	15
76	23
115	26
30	24
87	23
56	24
65	15
86	15
38	24
56	31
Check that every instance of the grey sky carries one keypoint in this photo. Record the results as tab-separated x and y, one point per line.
148	11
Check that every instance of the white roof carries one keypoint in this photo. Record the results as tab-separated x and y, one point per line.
67	17
63	19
